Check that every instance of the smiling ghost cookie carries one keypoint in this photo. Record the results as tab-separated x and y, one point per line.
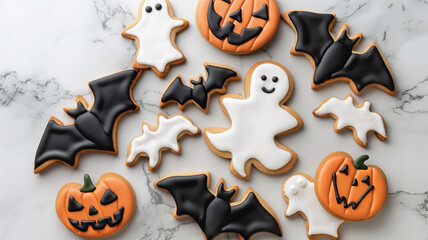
96	211
348	188
256	119
237	26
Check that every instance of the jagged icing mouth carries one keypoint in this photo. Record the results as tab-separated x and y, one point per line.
100	223
268	90
343	198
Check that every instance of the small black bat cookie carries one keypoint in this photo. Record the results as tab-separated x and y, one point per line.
94	127
214	213
217	77
333	58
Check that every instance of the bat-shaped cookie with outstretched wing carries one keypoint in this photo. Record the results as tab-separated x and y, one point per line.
214	213
333	58
199	92
94	127
155	139
358	118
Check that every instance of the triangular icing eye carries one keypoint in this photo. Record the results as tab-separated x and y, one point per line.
366	180
108	197
262	13
226	1
237	15
73	205
344	170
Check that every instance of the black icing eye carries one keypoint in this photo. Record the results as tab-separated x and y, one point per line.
73	205
158	6
354	182
108	197
366	180
226	1
263	77
344	170
275	79
148	9
262	13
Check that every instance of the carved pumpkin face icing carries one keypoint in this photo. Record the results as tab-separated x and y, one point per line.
349	189
95	212
237	26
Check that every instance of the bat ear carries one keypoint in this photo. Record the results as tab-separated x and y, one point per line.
200	80
223	193
77	111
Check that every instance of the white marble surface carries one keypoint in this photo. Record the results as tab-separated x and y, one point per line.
50	49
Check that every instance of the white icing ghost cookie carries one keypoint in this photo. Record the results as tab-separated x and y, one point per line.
358	118
257	118
299	192
162	137
154	32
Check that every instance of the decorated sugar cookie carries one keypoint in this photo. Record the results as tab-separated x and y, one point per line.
215	213
156	139
344	190
94	127
237	26
333	57
358	118
199	92
299	192
154	32
96	211
257	118
349	189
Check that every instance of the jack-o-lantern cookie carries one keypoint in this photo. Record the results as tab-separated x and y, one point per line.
257	118
96	211
348	188
237	26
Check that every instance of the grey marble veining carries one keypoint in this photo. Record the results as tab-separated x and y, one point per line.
53	49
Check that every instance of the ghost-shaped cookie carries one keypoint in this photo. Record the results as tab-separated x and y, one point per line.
299	192
155	33
257	118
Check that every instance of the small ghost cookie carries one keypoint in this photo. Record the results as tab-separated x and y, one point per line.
156	139
349	189
358	118
96	211
237	26
299	192
154	33
257	118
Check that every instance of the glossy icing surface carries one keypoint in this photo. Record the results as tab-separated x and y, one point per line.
166	136
300	192
256	120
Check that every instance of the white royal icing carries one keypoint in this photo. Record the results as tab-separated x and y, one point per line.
166	136
301	198
256	121
154	35
361	119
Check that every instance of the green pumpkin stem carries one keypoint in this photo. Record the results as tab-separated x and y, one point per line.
88	186
359	162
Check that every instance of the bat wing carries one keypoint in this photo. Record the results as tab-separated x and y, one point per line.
60	143
217	76
250	217
178	92
113	97
366	69
313	32
191	195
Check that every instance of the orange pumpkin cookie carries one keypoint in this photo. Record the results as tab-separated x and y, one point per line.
349	189
237	26
96	211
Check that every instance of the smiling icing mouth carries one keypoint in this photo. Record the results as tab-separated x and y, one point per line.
100	223
268	91
343	198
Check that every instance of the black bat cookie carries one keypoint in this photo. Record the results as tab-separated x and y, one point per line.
200	91
333	58
94	127
214	213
